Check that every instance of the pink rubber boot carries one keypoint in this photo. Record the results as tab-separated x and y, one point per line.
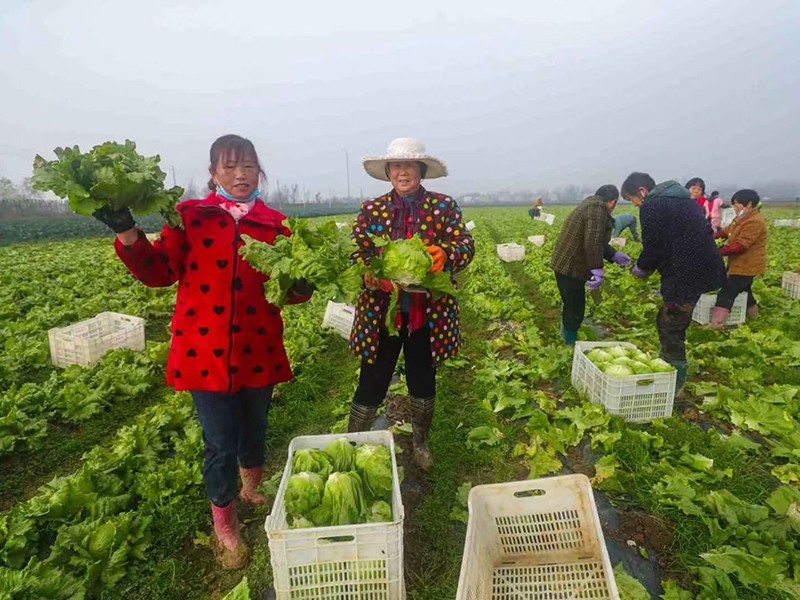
250	480
231	551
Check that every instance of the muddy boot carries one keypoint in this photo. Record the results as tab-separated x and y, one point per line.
421	419
752	312
251	478
719	317
230	550
361	417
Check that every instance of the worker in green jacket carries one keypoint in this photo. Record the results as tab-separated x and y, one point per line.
578	257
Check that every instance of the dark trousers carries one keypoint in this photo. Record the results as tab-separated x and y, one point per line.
573	297
672	322
234	432
735	285
375	378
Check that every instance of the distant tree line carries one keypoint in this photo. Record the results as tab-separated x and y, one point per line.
21	201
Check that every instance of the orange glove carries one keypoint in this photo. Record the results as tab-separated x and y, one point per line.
378	284
439	258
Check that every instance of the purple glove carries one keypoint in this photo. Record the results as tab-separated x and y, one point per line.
621	259
640	273
596	282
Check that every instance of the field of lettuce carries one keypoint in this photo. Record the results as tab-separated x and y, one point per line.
101	493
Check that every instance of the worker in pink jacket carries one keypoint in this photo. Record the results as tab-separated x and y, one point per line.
713	208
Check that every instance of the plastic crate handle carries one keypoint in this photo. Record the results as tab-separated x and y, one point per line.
534	493
336	539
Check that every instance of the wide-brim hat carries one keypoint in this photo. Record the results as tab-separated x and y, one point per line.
401	150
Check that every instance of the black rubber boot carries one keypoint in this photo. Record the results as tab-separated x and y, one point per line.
421	419
361	417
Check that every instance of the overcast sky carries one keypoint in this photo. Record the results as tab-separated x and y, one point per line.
510	94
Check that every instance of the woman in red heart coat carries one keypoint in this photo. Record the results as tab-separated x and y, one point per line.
227	340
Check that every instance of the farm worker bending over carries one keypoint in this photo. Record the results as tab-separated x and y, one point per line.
623	222
678	243
746	250
428	327
227	340
536	211
579	253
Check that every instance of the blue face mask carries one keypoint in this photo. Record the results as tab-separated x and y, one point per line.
252	197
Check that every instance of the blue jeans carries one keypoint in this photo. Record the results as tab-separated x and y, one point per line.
234	432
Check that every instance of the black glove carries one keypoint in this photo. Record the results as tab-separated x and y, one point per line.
118	220
303	287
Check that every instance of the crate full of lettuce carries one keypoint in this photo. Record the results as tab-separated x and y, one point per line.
630	383
336	528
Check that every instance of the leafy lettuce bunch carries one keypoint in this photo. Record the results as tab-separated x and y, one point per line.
374	463
320	254
343	501
110	174
408	265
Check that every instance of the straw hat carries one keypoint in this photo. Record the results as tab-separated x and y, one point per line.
400	150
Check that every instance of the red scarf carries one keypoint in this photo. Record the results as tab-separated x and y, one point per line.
404	228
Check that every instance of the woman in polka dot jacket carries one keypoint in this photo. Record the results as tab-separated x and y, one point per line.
227	340
428	327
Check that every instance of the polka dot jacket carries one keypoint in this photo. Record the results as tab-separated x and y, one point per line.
437	219
225	335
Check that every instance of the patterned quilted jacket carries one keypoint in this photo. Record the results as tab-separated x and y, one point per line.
438	221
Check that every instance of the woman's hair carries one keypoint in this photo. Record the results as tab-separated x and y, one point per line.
696	181
423	169
746	198
714	195
608	192
233	147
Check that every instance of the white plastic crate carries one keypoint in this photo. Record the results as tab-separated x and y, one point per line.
548	218
511	252
728	215
791	283
619	242
84	343
339	317
787	223
470	225
344	562
704	307
535	539
638	398
341	225
536	240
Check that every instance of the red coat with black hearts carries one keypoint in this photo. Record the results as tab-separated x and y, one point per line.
225	335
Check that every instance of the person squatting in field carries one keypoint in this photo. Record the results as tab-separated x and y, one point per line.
746	249
677	241
227	340
623	222
536	210
428	327
578	256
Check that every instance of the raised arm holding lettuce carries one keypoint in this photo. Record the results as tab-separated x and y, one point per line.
426	327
